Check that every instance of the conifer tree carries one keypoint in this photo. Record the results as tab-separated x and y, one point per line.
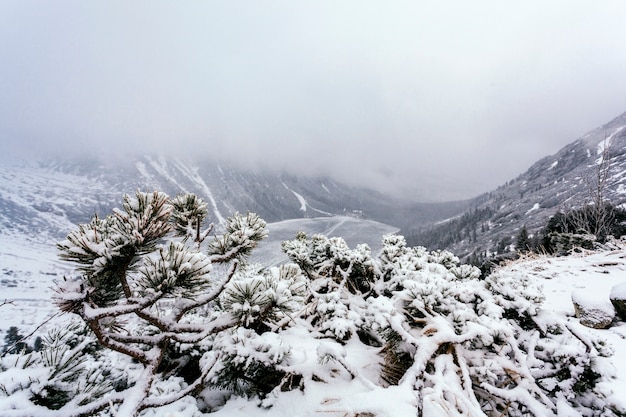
141	272
523	243
13	341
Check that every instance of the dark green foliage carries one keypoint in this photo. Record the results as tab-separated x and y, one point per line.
249	293
107	249
503	245
181	362
523	243
38	344
188	214
250	378
51	397
586	381
581	227
14	342
488	265
242	233
396	361
175	272
66	353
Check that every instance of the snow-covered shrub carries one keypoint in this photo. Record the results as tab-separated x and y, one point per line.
565	243
68	372
261	300
249	363
341	279
188	214
331	264
480	347
249	359
142	283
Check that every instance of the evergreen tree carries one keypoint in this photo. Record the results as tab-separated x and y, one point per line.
132	265
523	243
14	342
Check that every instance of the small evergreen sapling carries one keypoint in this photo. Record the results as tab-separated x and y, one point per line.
14	342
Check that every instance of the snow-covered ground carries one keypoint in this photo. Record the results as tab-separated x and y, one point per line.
28	270
592	275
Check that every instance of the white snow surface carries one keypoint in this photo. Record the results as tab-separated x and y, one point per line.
536	206
607	142
301	199
28	270
619	291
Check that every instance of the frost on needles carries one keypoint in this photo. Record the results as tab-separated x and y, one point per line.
169	315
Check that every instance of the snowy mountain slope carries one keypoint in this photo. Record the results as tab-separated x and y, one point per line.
554	183
27	271
46	198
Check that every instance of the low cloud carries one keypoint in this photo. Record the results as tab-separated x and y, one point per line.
429	100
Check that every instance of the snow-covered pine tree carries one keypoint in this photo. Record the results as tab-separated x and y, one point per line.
140	277
341	279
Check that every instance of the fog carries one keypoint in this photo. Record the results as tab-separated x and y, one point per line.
429	100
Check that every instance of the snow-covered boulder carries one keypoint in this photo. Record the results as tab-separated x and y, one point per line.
594	312
618	299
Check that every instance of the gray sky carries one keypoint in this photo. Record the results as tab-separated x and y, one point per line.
434	99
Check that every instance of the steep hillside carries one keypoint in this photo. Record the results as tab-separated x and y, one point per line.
563	180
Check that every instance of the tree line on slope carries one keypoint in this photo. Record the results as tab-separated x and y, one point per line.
567	230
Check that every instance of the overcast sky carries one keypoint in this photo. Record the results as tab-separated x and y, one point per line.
436	99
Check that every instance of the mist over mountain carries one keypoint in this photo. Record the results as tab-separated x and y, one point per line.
44	200
50	197
557	182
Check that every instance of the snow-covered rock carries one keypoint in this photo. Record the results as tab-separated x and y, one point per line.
618	299
594	312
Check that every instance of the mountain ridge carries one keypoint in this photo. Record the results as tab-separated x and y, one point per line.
554	183
50	197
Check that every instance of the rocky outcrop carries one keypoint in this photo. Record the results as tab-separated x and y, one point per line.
593	312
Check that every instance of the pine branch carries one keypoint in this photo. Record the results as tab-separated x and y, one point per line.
106	341
92	312
191	388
